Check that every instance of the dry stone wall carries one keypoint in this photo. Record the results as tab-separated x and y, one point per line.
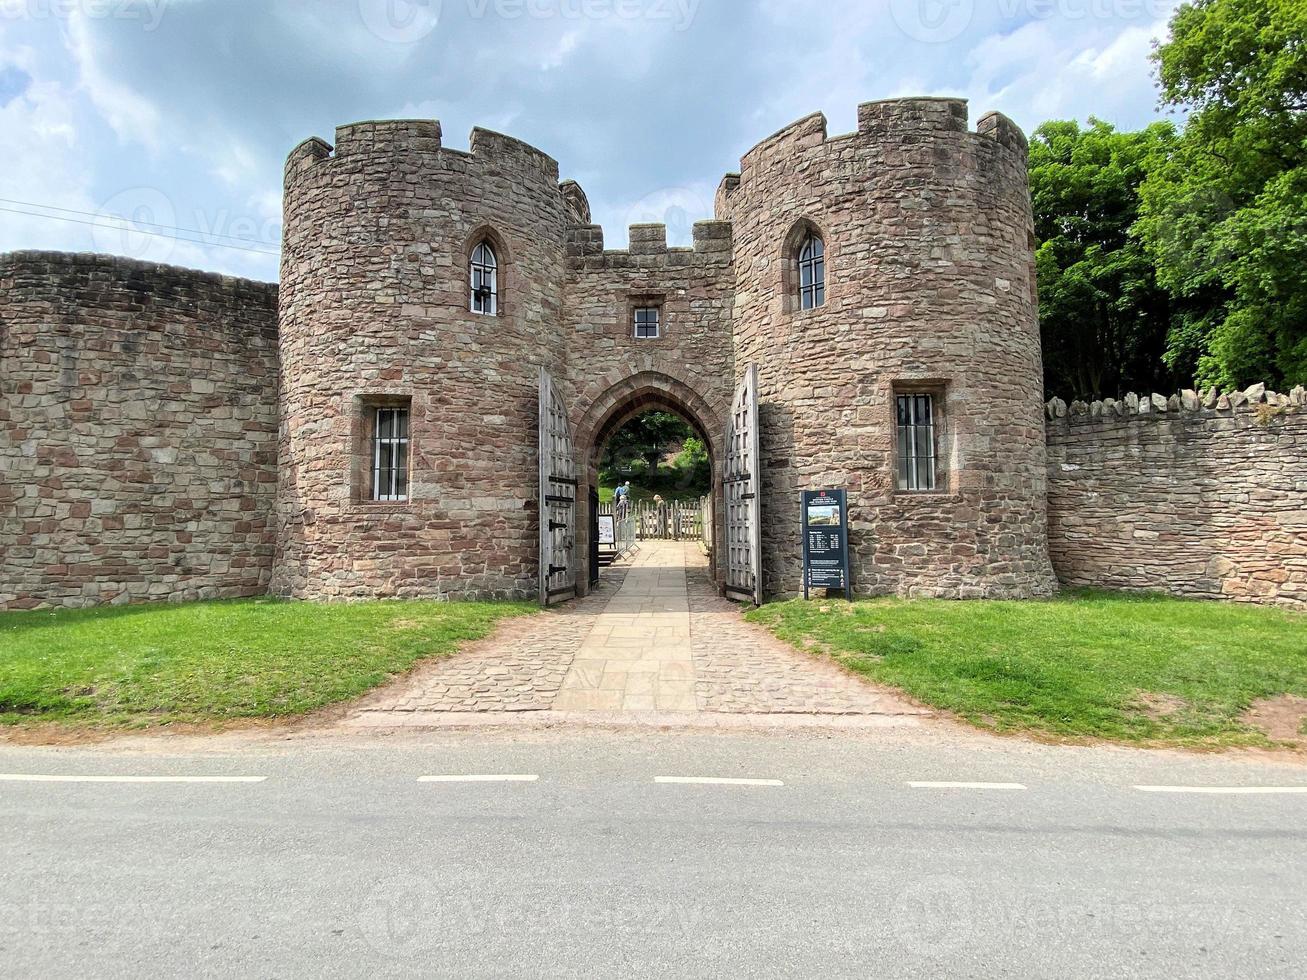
1195	494
138	408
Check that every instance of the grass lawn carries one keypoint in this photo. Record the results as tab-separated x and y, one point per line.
1108	665
211	661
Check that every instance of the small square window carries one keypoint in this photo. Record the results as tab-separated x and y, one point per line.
647	321
917	464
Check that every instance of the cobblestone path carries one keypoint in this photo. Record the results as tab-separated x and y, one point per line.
654	638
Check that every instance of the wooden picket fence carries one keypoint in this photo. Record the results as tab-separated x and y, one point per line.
671	520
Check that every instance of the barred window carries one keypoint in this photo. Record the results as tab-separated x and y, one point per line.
484	275
916	442
390	454
812	273
646	321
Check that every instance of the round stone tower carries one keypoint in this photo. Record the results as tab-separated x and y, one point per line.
930	294
375	314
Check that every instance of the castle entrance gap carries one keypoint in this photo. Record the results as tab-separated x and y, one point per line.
577	459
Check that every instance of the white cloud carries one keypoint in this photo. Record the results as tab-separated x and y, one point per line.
132	115
44	164
1060	68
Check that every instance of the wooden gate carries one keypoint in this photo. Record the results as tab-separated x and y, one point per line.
741	488
558	488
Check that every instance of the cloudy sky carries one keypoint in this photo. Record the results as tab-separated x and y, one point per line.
157	128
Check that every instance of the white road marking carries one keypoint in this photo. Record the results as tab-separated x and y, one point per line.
24	777
480	778
717	781
1246	790
958	785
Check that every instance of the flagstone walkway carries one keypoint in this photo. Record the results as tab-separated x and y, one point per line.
654	639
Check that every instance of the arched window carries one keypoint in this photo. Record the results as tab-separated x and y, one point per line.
812	273
484	280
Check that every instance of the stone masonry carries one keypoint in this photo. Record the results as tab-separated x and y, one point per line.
138	420
172	434
1201	495
930	273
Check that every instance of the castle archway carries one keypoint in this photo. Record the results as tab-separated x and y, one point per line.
624	400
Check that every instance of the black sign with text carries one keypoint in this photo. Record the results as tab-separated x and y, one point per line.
825	540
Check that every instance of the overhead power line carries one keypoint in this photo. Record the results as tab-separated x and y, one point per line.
133	226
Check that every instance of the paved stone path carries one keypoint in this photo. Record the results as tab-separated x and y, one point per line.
654	638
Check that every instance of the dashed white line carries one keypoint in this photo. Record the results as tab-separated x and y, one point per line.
962	785
1228	790
24	777
480	778
717	781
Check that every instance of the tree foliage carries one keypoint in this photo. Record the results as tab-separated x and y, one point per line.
645	437
1104	319
635	452
1224	210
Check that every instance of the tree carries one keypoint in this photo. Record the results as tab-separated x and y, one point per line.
645	437
1104	320
1224	211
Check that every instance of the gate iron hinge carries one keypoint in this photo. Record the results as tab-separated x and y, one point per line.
556	526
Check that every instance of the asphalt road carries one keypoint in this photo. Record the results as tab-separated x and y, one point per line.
341	862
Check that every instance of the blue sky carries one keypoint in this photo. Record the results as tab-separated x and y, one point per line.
136	116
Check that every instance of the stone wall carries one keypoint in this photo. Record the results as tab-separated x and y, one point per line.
930	287
137	432
1194	495
611	374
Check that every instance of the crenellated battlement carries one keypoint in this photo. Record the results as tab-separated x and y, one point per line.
419	137
891	123
647	246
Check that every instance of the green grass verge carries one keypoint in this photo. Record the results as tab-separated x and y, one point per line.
213	661
1086	664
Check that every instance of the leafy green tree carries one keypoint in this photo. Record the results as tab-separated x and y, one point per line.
1224	211
1104	319
645	437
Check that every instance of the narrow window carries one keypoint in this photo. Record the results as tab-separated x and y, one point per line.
390	454
646	321
916	442
812	273
484	272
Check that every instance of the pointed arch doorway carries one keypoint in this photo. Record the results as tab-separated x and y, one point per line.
569	471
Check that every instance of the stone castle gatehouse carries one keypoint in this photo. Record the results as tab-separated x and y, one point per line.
418	409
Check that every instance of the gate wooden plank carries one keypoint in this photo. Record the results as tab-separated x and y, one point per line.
558	489
741	485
